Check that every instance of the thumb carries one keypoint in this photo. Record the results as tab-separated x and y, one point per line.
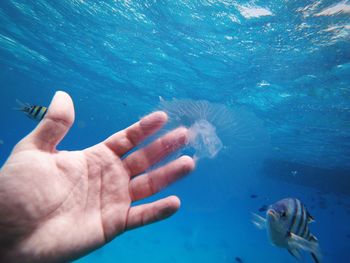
56	123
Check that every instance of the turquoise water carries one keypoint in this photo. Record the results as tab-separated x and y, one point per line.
286	62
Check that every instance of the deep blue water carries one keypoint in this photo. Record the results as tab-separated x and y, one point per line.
288	62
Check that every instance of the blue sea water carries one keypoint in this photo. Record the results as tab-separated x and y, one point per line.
286	61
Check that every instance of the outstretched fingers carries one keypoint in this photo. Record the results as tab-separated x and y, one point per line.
149	213
137	162
125	140
150	183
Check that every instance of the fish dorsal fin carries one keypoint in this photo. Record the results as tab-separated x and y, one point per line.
313	238
295	253
310	218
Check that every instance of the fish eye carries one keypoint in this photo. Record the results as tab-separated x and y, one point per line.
283	214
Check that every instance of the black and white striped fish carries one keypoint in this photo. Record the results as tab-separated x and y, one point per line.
32	111
287	227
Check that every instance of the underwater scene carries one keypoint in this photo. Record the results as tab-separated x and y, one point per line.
262	86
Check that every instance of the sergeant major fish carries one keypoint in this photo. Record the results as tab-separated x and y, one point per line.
287	227
32	111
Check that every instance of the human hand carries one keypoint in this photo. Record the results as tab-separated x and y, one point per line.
56	206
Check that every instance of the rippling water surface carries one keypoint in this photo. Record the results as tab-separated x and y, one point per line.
288	62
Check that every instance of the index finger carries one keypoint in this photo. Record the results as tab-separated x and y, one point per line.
125	140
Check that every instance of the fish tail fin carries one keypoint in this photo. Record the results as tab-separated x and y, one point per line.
258	221
21	106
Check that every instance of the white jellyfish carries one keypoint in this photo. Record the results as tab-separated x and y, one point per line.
215	127
204	139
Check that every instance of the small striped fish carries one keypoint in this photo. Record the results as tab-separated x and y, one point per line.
287	226
32	111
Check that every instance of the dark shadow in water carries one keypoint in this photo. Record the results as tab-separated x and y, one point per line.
325	180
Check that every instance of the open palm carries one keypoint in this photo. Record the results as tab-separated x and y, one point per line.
59	205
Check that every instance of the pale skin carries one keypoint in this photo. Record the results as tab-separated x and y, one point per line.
56	206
